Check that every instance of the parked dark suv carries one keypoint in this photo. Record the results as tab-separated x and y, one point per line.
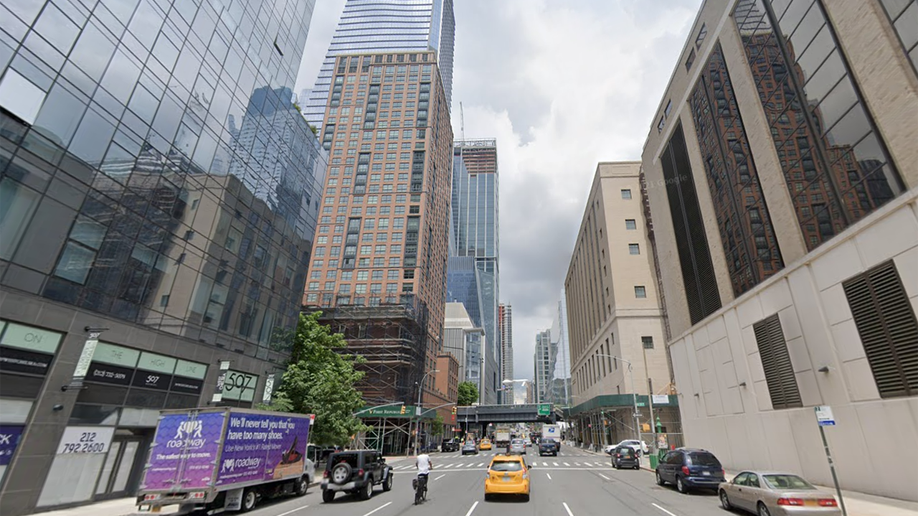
355	472
690	468
448	445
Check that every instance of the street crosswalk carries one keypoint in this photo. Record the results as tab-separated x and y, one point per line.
466	463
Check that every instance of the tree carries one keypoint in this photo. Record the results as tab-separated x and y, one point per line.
319	380
436	426
468	393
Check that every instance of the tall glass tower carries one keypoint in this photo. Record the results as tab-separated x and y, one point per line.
474	225
387	26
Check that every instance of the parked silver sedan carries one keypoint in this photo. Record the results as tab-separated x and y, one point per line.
768	493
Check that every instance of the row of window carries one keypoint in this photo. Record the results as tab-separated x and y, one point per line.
601	363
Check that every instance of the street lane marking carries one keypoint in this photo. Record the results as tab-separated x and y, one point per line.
568	509
603	476
566	464
441	476
470	510
549	476
662	509
388	504
480	464
577	464
555	463
470	464
293	511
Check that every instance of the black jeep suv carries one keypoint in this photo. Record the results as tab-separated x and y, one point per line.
448	445
355	472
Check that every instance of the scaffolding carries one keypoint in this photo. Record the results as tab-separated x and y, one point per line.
392	338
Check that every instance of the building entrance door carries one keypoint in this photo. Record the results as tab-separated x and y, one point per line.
122	467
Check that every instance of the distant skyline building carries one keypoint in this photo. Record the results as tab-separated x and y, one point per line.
463	285
387	26
542	362
505	329
560	391
463	339
474	226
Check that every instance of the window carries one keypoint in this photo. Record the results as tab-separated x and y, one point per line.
888	329
630	224
776	362
695	262
17	203
77	258
626	193
902	14
647	342
640	292
634	248
690	60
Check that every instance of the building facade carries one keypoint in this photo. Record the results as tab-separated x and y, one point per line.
505	329
159	188
463	285
388	26
474	224
382	237
783	176
616	324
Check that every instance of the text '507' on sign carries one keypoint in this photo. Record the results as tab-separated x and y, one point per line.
824	416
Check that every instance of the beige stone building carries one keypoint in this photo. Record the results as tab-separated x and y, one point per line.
782	175
614	310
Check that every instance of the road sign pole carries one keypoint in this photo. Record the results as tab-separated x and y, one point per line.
825	418
825	443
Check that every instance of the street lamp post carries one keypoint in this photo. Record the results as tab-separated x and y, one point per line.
417	412
637	428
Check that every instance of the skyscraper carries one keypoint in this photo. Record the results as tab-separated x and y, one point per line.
561	365
505	327
475	226
381	247
542	362
156	181
388	26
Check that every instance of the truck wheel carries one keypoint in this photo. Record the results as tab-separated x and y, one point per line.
328	496
387	485
249	500
300	486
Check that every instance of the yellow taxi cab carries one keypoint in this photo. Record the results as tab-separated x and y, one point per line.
485	444
507	474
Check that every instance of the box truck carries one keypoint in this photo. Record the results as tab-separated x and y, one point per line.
225	458
551	432
502	436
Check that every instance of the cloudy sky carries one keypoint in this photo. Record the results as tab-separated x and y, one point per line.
562	85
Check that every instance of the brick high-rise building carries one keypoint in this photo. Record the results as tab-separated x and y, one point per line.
379	262
505	329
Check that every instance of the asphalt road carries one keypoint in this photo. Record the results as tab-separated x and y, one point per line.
576	483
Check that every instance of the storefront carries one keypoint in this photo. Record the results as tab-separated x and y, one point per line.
79	444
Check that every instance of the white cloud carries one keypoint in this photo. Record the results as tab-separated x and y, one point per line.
562	86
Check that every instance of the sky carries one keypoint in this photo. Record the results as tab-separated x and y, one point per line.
562	85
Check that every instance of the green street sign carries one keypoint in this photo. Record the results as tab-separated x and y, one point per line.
405	411
544	409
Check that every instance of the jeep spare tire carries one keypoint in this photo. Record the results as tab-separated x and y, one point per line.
341	473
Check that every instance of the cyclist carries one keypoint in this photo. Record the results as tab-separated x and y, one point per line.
423	465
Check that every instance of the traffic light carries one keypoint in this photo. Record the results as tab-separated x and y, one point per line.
402	411
455	410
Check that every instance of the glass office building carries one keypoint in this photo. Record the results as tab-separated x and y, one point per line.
158	184
387	26
474	226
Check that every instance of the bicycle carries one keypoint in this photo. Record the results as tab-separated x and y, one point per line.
419	484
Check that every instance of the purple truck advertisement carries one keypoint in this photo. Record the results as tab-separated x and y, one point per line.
263	447
256	447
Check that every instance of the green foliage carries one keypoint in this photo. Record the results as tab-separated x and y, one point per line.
468	393
321	381
436	426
